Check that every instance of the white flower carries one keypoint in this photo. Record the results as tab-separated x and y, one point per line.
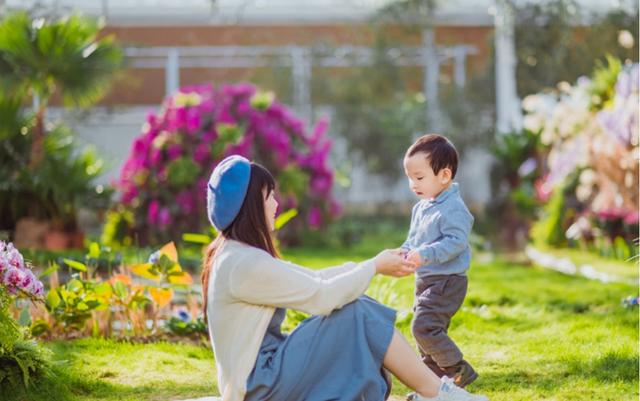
588	177
625	39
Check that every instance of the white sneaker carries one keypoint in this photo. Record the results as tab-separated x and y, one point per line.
449	392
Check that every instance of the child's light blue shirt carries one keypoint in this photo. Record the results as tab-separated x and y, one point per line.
440	231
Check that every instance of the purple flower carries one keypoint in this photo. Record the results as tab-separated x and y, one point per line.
527	167
183	315
154	257
621	120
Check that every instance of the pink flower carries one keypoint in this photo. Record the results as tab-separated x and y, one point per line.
28	280
335	208
174	152
202	153
38	290
13	277
632	218
129	196
192	121
610	214
319	131
186	202
140	145
156	157
202	185
243	109
4	265
153	212
314	218
164	217
543	190
210	136
290	203
320	184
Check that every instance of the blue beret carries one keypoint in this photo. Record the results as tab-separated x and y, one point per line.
227	189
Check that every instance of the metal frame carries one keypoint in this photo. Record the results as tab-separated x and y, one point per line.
301	60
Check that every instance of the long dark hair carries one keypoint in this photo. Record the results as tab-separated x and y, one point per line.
250	225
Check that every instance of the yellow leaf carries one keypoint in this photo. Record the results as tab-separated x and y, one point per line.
143	270
170	251
182	279
176	268
161	296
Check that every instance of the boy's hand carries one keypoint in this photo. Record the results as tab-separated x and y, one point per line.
391	262
414	258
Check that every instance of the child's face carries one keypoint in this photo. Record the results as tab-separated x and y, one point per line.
422	180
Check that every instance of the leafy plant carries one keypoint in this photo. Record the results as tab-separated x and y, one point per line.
24	363
183	325
72	304
63	181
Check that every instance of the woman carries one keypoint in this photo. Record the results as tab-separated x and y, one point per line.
335	355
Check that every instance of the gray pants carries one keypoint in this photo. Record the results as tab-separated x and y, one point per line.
437	299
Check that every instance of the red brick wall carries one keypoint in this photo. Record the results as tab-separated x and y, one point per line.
146	86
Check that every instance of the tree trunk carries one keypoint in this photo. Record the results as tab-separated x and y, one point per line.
37	145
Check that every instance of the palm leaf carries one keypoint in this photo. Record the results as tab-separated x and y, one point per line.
65	54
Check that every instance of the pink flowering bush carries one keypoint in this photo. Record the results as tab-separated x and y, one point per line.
163	182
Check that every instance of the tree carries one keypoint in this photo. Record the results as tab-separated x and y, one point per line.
556	42
46	56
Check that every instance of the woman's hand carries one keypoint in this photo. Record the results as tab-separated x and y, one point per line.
391	262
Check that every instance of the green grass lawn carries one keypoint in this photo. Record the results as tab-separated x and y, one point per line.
532	334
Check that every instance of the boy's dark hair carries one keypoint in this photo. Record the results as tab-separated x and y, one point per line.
440	152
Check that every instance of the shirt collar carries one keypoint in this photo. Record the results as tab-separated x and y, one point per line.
444	195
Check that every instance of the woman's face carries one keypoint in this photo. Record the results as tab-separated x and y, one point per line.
270	207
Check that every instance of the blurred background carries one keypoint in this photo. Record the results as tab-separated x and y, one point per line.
113	114
352	83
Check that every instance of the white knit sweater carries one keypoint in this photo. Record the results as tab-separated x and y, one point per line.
247	285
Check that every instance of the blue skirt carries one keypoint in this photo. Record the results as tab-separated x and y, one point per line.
336	357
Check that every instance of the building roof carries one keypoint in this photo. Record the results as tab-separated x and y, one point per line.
178	12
